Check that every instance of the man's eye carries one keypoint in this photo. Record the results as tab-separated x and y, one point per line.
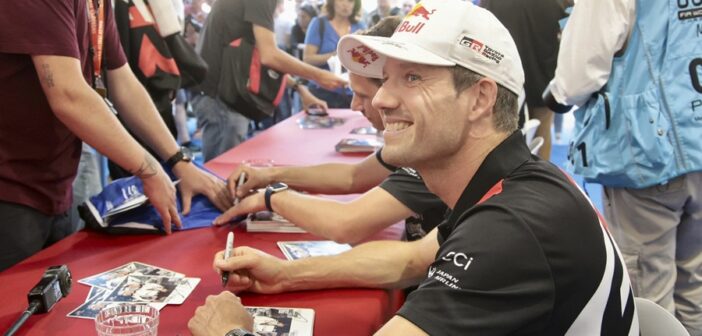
412	77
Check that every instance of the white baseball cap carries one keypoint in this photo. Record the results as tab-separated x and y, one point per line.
441	33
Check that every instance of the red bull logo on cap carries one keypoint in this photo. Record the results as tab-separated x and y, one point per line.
419	11
363	55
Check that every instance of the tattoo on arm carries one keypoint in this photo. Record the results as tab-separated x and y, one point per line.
147	168
47	77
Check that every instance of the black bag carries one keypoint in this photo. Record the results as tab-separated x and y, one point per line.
246	85
193	68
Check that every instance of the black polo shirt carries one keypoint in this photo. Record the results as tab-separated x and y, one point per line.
523	253
408	187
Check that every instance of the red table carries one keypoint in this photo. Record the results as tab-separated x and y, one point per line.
287	144
337	312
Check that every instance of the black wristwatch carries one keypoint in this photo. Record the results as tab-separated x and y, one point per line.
239	332
183	154
272	189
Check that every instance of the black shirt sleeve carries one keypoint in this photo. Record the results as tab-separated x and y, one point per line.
490	277
260	12
412	192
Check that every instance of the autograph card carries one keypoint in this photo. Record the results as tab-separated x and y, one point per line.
183	290
112	278
139	288
303	249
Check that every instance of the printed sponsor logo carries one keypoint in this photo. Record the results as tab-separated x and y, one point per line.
363	55
420	11
689	9
417	12
410	28
273	74
690	14
459	259
431	272
481	49
411	171
444	278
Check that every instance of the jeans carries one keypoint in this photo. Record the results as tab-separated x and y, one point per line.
24	231
86	184
222	127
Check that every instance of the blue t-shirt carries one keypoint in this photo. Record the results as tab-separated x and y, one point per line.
326	43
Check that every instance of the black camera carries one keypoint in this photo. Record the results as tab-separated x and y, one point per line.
54	284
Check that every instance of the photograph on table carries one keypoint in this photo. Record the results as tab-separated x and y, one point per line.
304	249
138	288
273	321
96	302
112	278
267	221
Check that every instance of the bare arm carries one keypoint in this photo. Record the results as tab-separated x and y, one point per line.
308	99
377	264
137	110
277	59
312	56
342	222
84	112
399	325
330	178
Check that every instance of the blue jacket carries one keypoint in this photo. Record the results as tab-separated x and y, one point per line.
645	126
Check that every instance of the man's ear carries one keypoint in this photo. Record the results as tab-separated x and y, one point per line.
482	102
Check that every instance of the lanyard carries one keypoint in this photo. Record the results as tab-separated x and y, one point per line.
96	21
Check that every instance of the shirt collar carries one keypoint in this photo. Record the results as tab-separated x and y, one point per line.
504	159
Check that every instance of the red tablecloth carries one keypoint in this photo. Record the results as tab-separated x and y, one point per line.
338	312
287	144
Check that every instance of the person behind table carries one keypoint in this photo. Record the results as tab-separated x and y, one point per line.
339	18
383	9
642	143
523	252
49	104
391	194
305	14
534	26
223	127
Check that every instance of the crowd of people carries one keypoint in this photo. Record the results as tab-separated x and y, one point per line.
497	240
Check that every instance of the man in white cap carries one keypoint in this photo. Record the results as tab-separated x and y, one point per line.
523	252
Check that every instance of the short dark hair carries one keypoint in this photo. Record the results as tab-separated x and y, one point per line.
310	10
384	28
505	112
355	15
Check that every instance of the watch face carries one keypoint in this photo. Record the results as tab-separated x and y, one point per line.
187	154
278	186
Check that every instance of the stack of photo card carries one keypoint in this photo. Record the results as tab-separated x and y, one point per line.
273	321
266	221
315	122
351	145
369	130
303	249
134	282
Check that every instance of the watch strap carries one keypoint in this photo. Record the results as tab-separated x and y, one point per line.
180	155
267	197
